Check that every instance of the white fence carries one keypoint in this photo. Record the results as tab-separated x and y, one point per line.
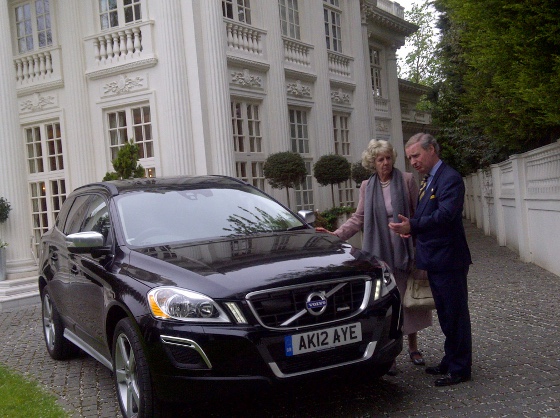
518	203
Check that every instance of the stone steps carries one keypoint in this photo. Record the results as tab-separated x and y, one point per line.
18	292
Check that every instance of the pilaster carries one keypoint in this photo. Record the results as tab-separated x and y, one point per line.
396	115
13	175
77	128
217	111
177	156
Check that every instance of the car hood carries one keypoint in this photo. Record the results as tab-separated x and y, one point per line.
233	266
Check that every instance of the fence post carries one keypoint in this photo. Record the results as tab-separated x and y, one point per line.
519	186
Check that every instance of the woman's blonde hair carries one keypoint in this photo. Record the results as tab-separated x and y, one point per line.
373	150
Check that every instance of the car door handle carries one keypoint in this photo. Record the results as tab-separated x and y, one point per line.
75	269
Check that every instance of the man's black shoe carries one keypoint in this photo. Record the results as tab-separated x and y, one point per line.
451	379
436	370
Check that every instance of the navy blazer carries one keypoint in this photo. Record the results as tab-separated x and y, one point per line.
437	224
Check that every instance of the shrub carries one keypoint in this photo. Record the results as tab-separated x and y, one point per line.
126	164
5	209
285	170
360	173
328	219
331	169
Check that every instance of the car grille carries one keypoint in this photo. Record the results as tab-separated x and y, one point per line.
286	308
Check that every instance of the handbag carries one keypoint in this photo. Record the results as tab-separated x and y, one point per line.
418	293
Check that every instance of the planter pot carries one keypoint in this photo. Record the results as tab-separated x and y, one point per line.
3	273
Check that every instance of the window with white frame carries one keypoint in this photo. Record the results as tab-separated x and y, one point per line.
341	133
333	32
289	18
247	142
299	138
299	135
375	71
33	25
238	10
304	192
116	13
132	123
45	167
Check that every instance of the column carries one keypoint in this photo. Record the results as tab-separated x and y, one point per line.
217	98
13	174
396	115
178	154
79	155
276	88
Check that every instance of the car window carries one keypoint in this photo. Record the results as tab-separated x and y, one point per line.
76	215
155	218
97	216
63	214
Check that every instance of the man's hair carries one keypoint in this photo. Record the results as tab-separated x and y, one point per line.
425	141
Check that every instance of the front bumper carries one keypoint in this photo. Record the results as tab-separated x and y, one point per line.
185	357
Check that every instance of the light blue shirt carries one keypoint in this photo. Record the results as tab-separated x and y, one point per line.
433	172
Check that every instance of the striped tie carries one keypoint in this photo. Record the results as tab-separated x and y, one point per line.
423	185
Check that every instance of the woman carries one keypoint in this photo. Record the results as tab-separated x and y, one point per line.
387	193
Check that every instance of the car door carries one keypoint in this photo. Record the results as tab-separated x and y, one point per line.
89	278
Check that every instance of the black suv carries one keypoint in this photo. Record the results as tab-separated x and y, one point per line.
191	280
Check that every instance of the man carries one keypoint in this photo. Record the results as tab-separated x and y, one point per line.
442	250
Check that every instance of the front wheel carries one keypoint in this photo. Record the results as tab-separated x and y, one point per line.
131	373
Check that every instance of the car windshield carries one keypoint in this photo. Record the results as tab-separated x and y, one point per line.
167	216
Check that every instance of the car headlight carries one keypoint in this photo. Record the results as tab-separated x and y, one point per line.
184	305
387	277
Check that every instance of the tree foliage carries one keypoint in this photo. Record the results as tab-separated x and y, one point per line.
421	65
500	64
359	173
285	170
331	169
126	164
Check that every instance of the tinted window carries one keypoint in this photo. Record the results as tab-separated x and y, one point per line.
154	218
76	215
97	217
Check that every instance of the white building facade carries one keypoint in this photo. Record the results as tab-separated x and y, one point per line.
202	86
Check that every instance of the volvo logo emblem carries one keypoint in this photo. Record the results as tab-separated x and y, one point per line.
316	303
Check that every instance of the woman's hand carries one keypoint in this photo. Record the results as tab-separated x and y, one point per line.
320	229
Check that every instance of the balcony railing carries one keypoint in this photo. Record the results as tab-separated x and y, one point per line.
297	52
381	106
38	67
130	45
244	38
339	64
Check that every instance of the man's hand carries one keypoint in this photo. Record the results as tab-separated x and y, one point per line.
402	228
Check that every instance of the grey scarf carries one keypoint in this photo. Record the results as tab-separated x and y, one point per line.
377	237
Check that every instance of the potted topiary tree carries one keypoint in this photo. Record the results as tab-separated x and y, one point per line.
5	209
360	173
331	169
126	164
285	169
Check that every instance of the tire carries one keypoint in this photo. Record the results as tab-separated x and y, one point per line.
131	373
59	348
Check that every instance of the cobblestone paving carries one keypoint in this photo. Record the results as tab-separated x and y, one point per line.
516	371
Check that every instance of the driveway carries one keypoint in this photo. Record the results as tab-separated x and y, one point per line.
516	369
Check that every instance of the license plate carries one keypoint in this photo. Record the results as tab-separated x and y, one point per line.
322	339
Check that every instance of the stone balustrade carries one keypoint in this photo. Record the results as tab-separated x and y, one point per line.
244	38
339	64
297	52
37	67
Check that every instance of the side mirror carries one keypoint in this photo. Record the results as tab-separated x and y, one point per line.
87	242
307	215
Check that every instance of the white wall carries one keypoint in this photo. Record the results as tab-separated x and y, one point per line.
518	202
